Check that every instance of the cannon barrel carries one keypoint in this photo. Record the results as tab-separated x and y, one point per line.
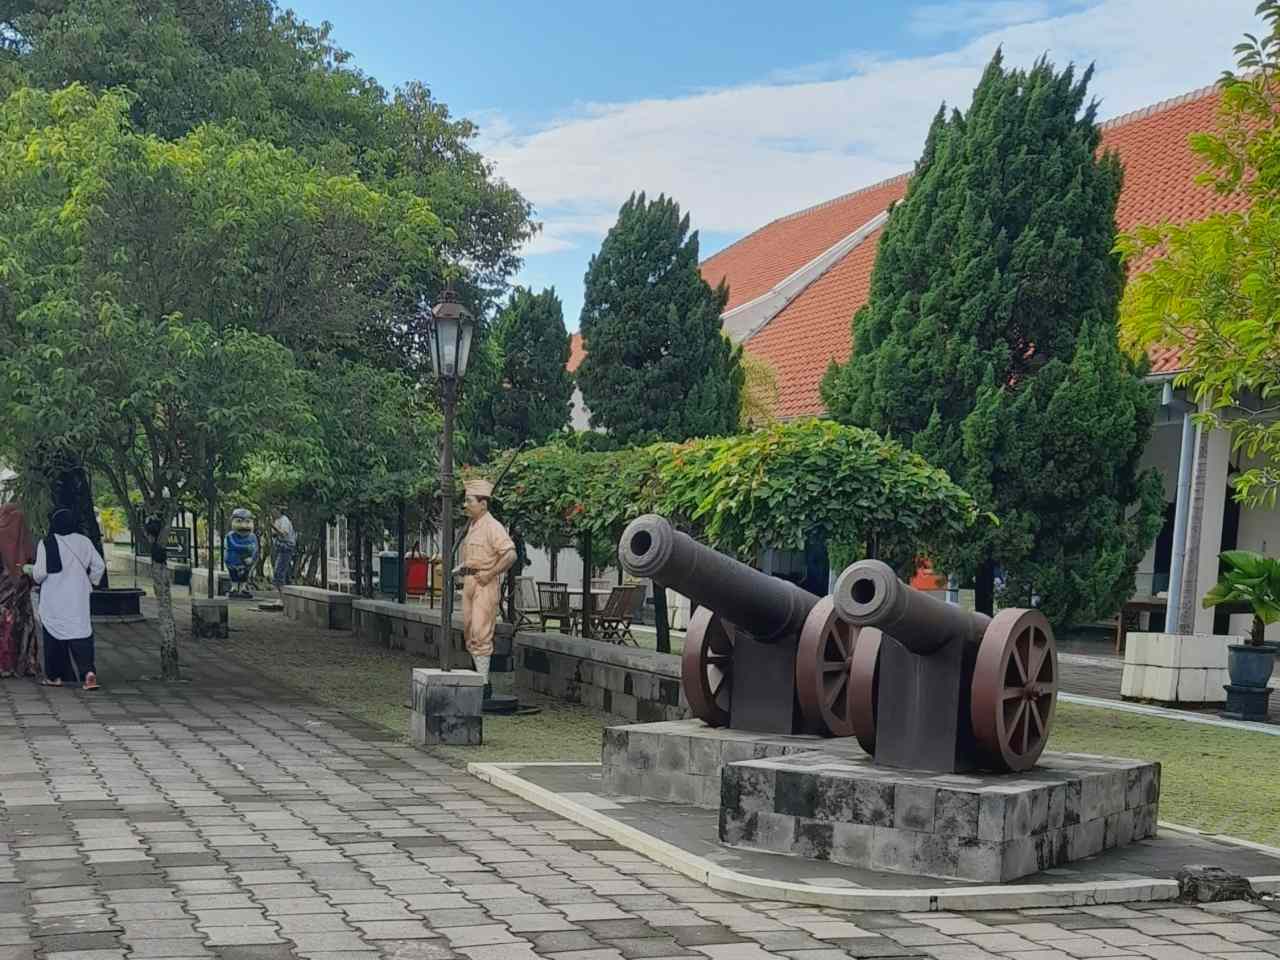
869	594
764	606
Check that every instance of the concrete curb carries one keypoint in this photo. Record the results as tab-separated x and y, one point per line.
502	775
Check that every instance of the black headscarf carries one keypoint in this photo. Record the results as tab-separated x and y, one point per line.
62	523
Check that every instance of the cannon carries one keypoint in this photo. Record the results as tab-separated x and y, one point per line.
934	687
746	647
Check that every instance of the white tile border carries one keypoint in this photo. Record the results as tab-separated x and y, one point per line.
502	775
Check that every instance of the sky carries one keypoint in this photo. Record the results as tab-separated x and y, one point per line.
749	110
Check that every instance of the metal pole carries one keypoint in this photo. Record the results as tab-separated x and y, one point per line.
400	588
1182	499
588	601
324	556
449	392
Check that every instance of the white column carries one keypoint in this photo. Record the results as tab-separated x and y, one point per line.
1202	560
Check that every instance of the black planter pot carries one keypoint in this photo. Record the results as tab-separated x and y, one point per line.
1250	668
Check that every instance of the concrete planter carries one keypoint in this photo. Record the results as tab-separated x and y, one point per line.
209	618
1175	669
326	609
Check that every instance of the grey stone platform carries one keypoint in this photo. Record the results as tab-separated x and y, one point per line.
1143	871
679	761
988	828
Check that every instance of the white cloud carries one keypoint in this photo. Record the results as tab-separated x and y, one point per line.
738	157
974	16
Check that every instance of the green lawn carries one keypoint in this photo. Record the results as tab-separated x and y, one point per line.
1214	779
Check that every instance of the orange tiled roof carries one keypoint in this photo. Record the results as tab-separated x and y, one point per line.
752	265
813	329
576	352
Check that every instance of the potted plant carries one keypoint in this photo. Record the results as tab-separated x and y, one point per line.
1252	579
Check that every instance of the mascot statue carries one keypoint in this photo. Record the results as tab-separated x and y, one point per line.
240	553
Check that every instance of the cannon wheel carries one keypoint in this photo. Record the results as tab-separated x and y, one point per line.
1015	688
706	669
864	686
823	663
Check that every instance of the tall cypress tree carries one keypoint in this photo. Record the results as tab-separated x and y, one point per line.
532	389
988	343
657	366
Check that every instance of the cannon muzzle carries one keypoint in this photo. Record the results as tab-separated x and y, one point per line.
766	607
869	594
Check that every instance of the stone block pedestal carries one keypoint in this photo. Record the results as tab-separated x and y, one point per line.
446	707
985	828
209	618
679	761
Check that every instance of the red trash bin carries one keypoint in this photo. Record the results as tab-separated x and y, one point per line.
415	573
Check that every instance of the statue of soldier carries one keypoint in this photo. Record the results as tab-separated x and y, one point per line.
487	553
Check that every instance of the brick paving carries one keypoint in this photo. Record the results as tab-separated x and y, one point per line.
221	818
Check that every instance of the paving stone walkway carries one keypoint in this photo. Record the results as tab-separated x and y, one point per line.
220	818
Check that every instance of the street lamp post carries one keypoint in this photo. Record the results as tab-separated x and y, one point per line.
450	327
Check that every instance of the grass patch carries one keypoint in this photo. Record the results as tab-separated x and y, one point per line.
371	683
1213	779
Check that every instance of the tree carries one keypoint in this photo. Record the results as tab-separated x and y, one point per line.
148	328
275	78
994	285
657	366
1212	291
530	401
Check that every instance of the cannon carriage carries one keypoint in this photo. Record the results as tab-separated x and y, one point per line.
920	683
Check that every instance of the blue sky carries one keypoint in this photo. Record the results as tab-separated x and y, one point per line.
743	111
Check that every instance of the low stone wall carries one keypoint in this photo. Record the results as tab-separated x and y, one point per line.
636	684
326	609
415	627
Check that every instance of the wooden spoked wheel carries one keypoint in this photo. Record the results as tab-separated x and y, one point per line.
1015	688
706	669
823	661
864	684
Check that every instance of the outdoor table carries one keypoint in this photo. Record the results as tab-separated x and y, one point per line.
1131	611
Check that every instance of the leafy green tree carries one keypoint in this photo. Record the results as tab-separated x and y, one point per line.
530	400
992	311
275	78
1212	292
146	328
657	366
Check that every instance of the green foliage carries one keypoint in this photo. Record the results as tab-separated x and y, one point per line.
657	366
994	272
527	349
275	78
1254	579
771	488
1212	291
780	486
1068	486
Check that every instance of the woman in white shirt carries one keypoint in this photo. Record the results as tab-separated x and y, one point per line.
67	568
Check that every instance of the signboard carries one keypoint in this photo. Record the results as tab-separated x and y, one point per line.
178	546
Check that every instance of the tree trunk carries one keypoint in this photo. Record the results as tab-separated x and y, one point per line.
984	587
1258	632
555	564
169	668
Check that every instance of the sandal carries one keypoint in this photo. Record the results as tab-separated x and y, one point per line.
46	682
91	681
